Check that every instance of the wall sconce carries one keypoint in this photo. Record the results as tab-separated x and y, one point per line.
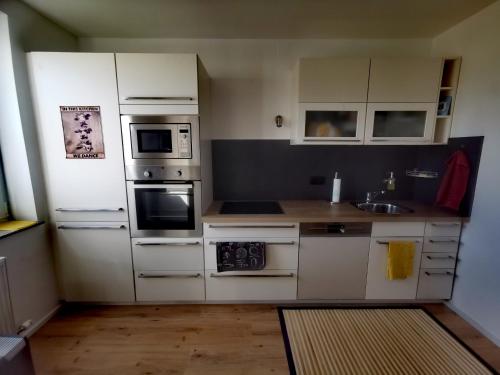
278	121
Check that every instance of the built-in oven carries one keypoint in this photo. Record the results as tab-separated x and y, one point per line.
165	208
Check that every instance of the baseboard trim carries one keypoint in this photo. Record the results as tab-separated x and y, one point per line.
473	323
37	325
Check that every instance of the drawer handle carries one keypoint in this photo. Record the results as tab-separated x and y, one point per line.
91	227
167	243
143	275
387	242
266	242
447	273
158	98
251	226
431	257
443	241
445	224
119	209
254	275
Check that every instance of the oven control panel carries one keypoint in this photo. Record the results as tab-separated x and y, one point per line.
184	141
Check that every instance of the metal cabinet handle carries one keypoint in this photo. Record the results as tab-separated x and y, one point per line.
336	139
445	224
143	275
251	226
431	257
91	227
387	242
167	243
119	209
254	275
266	242
158	98
443	241
447	273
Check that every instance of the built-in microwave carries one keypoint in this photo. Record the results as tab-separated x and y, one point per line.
161	147
165	208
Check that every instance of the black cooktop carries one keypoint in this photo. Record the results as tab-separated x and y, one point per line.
251	208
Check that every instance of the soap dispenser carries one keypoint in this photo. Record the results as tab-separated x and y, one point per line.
391	182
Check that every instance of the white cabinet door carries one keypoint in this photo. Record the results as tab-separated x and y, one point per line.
331	123
333	267
147	78
435	283
95	261
333	80
158	286
407	80
377	286
400	123
79	189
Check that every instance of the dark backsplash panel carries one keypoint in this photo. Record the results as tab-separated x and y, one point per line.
274	169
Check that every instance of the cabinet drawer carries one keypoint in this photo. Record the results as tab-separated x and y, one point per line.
236	230
408	229
438	260
441	244
443	228
167	254
435	284
281	253
247	285
169	286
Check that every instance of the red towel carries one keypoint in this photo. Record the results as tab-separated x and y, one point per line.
454	183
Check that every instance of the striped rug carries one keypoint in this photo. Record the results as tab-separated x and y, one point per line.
373	341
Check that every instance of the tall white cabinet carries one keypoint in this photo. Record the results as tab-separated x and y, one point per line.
86	197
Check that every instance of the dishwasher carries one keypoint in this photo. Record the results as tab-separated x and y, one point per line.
333	260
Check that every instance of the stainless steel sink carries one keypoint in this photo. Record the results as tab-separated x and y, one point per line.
382	208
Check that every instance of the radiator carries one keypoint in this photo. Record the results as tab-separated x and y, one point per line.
6	317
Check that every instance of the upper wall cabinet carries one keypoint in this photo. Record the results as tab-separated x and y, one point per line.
145	78
333	80
404	80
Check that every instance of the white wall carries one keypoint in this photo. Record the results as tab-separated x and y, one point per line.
29	31
252	79
477	112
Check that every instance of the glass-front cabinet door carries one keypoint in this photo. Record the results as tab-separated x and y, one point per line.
400	123
331	123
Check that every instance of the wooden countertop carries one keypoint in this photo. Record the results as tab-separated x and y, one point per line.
321	211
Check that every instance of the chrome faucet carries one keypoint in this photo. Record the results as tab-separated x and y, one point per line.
371	195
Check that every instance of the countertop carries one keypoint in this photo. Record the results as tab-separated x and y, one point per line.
7	233
322	211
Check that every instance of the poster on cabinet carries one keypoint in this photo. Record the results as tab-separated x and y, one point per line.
82	132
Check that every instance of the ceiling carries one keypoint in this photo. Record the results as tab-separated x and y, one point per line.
257	18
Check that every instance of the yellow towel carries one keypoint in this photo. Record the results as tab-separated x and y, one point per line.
400	260
15	225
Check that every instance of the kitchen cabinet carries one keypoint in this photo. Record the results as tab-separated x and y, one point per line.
404	80
400	123
94	261
147	78
331	123
435	283
333	80
333	267
79	189
277	281
378	286
168	269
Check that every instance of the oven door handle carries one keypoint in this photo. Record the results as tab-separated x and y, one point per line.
184	188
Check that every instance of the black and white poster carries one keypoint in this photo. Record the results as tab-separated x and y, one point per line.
82	132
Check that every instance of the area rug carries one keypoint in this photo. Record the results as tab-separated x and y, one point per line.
381	341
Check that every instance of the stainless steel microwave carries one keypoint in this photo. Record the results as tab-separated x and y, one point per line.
161	147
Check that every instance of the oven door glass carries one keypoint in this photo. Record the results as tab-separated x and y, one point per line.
164	207
154	141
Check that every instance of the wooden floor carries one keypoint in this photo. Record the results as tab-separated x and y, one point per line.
184	339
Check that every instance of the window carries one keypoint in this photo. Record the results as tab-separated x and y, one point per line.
4	204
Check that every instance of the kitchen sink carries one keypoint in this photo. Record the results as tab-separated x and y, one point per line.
382	208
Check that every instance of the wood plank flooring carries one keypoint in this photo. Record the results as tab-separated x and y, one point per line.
183	339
